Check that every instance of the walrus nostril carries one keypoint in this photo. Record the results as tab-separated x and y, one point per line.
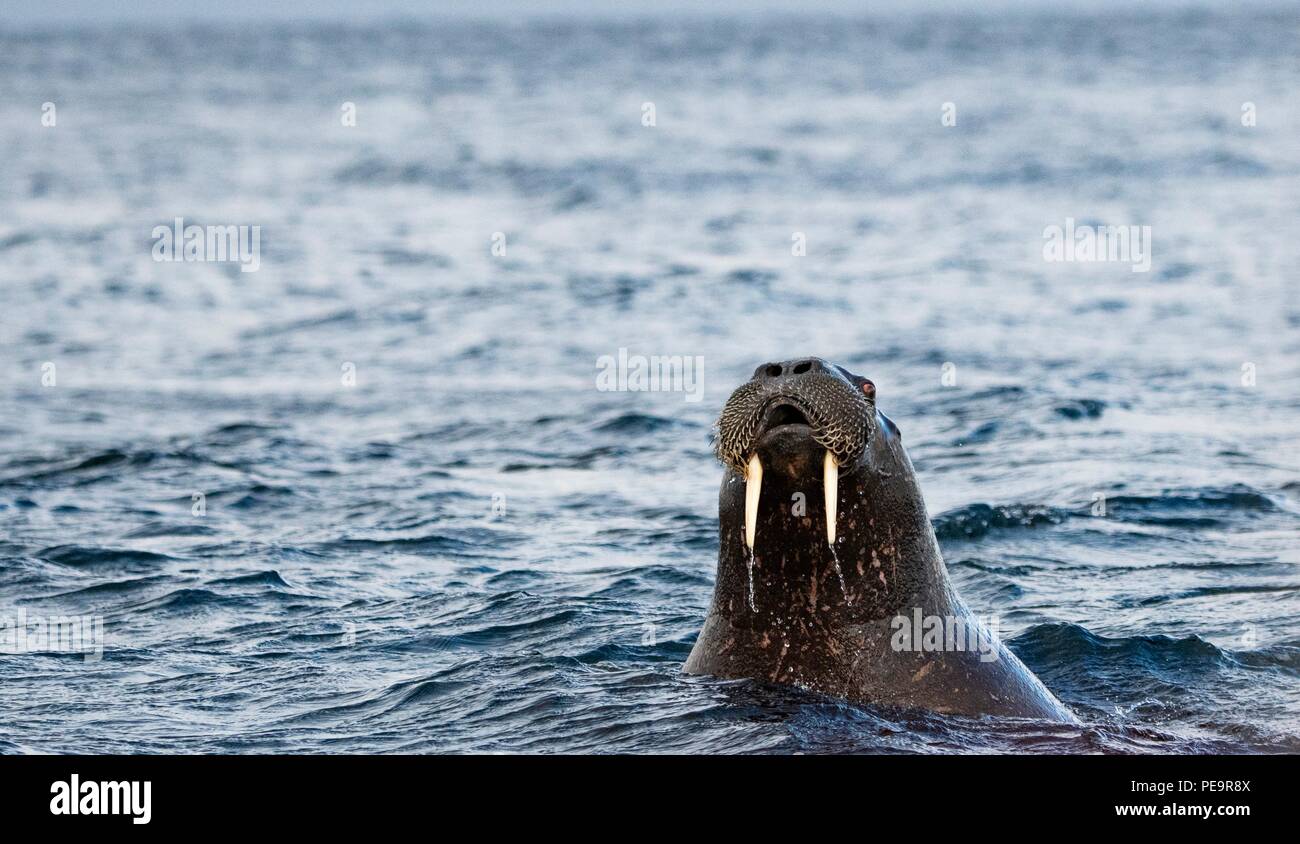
774	370
801	368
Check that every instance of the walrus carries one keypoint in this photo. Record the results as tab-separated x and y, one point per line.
829	574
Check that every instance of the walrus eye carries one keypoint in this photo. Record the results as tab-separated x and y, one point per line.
869	389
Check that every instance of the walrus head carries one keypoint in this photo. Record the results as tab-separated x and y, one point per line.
818	486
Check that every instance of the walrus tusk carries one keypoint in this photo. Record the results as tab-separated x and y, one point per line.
831	485
753	486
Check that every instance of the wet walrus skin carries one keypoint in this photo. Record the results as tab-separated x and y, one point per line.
801	624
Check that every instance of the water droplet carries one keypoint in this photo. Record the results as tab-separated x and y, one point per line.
750	562
840	574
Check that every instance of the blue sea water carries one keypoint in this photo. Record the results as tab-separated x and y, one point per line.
423	527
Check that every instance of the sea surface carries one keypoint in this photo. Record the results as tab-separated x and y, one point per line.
369	499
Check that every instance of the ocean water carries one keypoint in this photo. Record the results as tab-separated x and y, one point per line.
368	497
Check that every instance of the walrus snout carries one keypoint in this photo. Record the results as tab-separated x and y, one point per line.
807	396
789	449
794	416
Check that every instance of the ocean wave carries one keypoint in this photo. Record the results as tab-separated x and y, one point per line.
636	423
1205	507
976	520
85	556
1070	643
1187	508
1081	409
